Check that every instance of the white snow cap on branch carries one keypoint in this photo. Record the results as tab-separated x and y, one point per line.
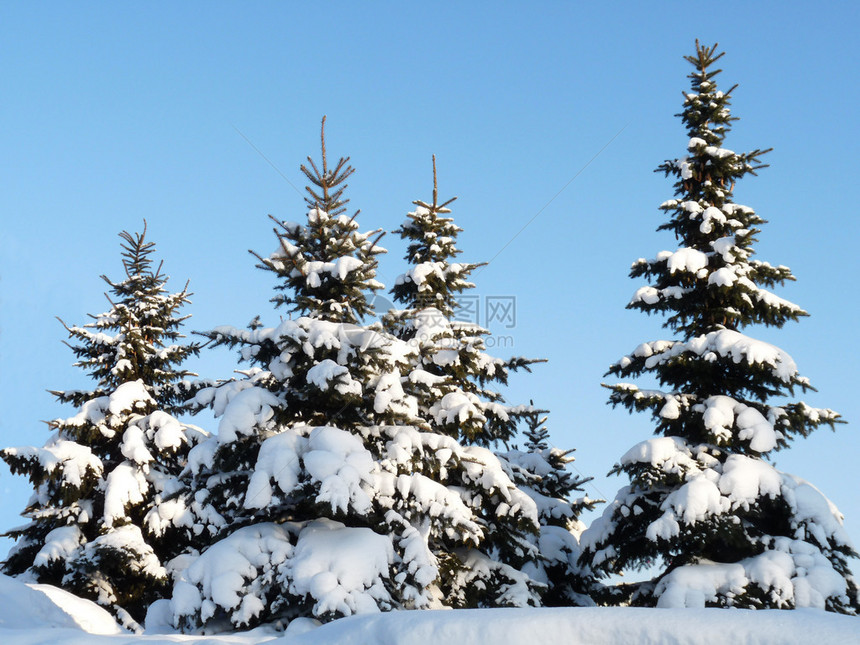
792	574
723	342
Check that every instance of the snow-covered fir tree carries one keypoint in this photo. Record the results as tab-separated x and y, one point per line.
100	478
453	375
720	525
324	493
541	471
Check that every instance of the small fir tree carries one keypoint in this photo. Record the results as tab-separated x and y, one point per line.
541	471
720	524
324	493
101	477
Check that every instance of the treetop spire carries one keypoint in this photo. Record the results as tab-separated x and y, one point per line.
327	186
435	208
435	184
136	252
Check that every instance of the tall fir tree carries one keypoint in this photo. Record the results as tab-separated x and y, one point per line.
453	376
324	493
102	475
718	523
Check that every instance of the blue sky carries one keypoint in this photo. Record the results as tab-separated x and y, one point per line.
117	112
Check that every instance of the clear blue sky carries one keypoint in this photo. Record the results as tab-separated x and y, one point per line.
113	113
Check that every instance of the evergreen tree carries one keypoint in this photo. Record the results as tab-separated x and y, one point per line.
324	493
451	377
102	475
721	525
452	374
541	472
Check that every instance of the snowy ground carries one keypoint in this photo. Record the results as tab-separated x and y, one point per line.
38	614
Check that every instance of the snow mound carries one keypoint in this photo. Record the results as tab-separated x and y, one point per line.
594	626
25	607
39	614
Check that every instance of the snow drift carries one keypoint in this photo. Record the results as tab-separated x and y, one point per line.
39	614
